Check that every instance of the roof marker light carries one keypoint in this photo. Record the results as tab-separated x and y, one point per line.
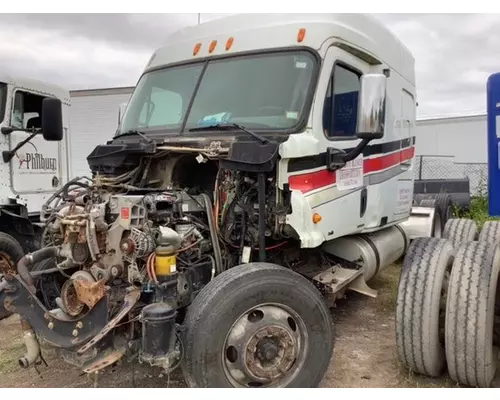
229	43
196	49
301	35
212	46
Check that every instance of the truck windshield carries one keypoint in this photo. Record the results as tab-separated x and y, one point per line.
3	99
261	92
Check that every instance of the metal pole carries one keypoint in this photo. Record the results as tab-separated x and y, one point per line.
199	19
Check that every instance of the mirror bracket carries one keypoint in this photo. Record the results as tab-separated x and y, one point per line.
337	159
8	154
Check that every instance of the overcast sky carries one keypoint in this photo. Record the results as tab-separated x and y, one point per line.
454	53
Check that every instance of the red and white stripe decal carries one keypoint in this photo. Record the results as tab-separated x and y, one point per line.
318	179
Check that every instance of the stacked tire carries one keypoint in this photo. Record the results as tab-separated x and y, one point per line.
448	308
443	208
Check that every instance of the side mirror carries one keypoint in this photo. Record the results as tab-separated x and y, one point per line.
371	116
121	112
52	119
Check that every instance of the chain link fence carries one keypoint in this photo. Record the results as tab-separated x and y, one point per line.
435	167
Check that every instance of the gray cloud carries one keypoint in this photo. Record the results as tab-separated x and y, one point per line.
454	53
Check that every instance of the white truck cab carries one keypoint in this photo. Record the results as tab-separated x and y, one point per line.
33	164
31	173
298	76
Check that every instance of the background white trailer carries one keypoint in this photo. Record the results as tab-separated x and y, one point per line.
94	119
453	147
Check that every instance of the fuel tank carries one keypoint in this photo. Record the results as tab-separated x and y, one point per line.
373	251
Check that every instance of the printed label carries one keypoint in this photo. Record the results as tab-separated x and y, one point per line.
351	176
405	197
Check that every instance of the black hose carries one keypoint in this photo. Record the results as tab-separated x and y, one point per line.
213	233
33	258
243	232
262	217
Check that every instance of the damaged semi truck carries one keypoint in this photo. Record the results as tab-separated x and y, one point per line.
262	168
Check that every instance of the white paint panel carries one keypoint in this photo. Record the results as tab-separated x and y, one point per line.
94	119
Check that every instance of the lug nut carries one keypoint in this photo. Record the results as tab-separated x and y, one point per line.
75	332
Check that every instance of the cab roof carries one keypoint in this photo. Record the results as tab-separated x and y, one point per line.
37	86
251	32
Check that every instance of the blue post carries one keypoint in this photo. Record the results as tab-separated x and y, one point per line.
493	110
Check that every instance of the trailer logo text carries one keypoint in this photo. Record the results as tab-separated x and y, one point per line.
37	162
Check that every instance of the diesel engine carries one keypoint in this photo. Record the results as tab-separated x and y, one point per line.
145	250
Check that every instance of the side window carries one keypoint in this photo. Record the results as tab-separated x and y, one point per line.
27	111
163	108
340	110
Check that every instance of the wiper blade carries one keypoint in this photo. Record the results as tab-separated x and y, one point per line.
134	132
230	127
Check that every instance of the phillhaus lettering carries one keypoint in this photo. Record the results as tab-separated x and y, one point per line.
36	161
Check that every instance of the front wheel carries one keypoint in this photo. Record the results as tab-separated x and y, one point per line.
257	325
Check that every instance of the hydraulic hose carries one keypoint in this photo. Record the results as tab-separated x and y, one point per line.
32	258
213	234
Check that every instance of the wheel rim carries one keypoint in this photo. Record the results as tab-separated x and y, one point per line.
265	347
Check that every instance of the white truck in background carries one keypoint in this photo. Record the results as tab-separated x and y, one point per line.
31	167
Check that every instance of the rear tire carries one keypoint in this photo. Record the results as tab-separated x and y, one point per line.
460	230
490	232
256	311
470	314
421	307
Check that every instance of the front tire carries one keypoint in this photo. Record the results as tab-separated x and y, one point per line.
257	325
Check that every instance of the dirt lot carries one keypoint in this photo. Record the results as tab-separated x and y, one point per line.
364	356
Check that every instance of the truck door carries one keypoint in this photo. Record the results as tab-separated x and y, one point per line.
36	167
344	203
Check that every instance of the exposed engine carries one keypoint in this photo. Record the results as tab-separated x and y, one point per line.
110	237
